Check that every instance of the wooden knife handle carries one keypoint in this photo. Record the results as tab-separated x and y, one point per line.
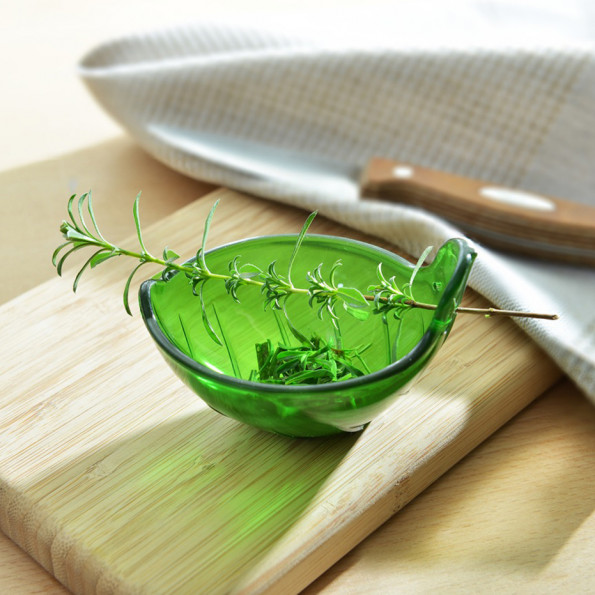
523	222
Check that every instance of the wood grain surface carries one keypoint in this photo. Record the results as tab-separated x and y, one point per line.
472	530
515	516
116	478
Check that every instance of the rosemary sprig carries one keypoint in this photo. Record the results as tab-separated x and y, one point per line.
275	286
325	294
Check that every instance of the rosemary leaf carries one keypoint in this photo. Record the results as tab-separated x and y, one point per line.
87	263
81	217
69	209
101	256
200	256
298	243
66	255
127	287
58	250
92	215
408	287
137	224
205	319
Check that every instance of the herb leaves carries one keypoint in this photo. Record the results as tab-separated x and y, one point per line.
314	360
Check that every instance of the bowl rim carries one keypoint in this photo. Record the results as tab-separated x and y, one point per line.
466	256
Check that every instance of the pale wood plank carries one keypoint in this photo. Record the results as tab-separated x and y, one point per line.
516	516
431	544
21	575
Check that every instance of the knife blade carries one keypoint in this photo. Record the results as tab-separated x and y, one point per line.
509	219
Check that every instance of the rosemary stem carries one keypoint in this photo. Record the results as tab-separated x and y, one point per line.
147	257
412	303
486	311
478	311
275	288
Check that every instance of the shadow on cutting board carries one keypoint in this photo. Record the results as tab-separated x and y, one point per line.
465	532
188	505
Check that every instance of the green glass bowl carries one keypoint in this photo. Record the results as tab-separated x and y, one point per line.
219	375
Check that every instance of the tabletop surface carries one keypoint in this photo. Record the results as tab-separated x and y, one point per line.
516	515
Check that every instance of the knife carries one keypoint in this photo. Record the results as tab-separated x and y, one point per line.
509	219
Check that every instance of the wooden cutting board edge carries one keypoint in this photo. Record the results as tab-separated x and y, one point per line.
297	567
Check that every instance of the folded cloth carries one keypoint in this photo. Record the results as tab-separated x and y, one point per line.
495	91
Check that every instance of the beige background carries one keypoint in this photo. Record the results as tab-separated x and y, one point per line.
515	516
45	110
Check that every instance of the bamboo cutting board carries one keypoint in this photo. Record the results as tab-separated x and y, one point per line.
117	479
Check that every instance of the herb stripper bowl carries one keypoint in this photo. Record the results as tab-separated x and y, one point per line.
393	351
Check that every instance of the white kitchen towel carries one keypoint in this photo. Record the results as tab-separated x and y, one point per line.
492	90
